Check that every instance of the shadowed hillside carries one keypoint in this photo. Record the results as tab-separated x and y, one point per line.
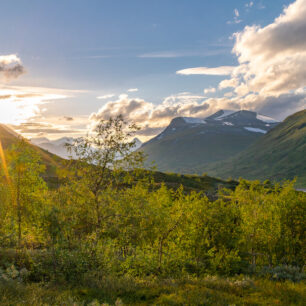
278	155
189	144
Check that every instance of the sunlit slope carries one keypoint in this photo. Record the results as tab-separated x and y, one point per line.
278	155
8	137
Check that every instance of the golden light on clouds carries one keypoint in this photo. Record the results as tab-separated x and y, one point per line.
19	104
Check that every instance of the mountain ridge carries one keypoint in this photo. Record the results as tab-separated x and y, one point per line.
187	142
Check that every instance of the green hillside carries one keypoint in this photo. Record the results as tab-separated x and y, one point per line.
172	180
278	155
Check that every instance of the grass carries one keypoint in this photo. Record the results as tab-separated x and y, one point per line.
131	291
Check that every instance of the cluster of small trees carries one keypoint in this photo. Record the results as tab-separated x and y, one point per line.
107	216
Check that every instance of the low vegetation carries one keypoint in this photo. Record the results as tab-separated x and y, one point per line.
110	234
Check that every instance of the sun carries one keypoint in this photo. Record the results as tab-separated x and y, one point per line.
16	112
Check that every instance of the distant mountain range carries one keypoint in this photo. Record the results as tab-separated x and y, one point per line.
188	145
225	144
58	146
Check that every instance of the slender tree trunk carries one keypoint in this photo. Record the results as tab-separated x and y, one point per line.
18	208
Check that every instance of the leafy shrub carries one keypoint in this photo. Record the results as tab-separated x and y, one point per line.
284	272
12	273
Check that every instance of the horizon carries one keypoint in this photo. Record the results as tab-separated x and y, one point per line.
65	66
150	138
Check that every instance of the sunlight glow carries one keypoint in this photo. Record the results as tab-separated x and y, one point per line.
18	106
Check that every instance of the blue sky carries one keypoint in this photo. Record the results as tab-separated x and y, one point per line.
107	47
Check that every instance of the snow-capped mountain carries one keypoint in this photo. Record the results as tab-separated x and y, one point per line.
137	145
58	146
223	120
189	142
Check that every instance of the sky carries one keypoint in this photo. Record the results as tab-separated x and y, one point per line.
66	64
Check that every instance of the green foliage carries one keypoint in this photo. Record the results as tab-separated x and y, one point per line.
24	196
110	225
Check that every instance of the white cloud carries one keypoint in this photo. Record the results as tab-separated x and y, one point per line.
105	97
54	127
228	83
154	118
11	66
151	117
228	94
222	70
273	58
209	90
236	12
132	90
272	61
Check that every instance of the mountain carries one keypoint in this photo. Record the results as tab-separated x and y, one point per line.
278	155
137	145
58	146
188	145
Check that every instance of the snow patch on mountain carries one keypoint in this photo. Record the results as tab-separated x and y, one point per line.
266	119
228	123
225	114
256	130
